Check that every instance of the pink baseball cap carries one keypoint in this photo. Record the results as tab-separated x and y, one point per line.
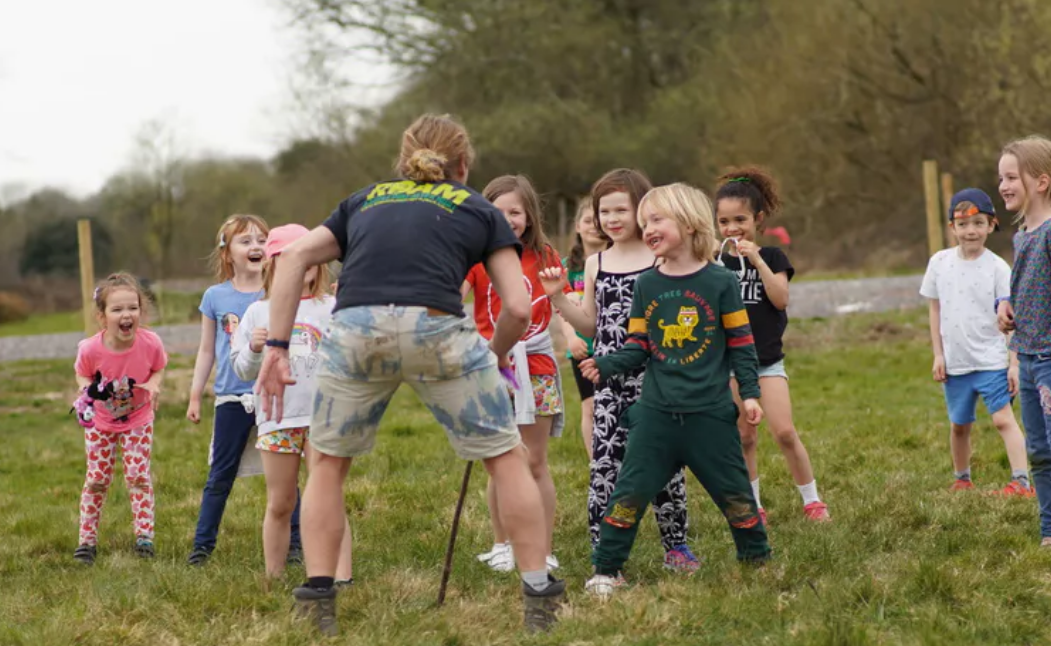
282	236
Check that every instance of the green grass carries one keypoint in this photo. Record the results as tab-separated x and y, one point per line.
904	562
172	308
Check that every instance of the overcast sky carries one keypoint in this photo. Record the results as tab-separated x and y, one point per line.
79	78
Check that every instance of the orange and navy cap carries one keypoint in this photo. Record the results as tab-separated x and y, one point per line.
982	204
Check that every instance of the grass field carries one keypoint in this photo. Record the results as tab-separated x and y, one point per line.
904	562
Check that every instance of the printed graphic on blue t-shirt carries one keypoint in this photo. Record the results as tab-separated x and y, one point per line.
225	305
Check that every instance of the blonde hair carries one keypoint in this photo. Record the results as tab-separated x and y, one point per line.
117	281
691	209
1034	159
433	148
318	287
219	260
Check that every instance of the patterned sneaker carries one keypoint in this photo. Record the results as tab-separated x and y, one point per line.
319	606
817	512
552	562
198	557
603	586
681	559
961	485
503	561
85	554
762	517
1016	488
144	548
540	607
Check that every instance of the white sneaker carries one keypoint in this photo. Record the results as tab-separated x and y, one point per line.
552	562
602	586
497	549
503	561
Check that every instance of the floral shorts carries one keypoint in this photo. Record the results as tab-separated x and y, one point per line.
545	394
285	440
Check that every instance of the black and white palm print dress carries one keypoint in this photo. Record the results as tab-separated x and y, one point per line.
612	398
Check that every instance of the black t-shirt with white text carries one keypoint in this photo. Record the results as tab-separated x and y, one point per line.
768	322
412	243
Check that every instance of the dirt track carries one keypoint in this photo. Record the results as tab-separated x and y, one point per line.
809	300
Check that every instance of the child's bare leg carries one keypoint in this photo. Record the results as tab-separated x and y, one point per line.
960	445
1014	441
282	474
777	407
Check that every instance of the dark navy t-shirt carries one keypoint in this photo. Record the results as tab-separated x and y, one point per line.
412	243
768	322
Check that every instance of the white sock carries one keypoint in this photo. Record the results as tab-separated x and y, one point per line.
809	492
537	580
755	493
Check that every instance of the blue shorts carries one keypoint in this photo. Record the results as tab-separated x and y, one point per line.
961	394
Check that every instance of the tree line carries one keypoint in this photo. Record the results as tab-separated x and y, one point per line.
840	99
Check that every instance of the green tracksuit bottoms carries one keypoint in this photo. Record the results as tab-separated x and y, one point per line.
661	443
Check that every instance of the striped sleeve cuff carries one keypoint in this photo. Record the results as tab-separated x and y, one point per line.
738	329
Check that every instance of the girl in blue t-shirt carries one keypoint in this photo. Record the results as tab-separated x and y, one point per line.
238	264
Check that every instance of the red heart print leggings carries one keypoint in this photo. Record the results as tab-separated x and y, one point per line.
101	449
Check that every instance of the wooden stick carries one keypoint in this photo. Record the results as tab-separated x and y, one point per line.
87	275
935	239
947	194
452	536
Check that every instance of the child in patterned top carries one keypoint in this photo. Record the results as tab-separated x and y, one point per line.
1025	185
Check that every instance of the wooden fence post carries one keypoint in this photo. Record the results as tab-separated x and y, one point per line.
87	274
947	194
935	239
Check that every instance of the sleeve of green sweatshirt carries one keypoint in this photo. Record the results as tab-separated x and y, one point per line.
635	351
739	342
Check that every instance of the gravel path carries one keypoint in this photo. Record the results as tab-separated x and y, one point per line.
809	299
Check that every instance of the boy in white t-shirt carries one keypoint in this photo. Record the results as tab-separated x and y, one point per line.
970	354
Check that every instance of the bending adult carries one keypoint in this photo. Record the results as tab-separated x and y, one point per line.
406	246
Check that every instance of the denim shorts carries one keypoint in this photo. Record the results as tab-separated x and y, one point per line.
371	350
962	391
773	370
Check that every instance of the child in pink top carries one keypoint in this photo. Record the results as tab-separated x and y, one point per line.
119	371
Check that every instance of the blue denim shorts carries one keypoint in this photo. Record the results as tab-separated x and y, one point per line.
962	391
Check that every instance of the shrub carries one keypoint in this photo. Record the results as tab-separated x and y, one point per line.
13	307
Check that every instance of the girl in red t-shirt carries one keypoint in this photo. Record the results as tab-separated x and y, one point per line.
538	400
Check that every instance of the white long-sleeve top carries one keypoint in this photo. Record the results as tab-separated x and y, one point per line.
312	320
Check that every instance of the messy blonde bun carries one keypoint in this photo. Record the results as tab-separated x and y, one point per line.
433	148
425	165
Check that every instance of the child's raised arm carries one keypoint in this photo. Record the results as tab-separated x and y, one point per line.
246	359
582	316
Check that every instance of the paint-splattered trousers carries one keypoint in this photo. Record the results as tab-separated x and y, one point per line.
608	442
1034	390
659	444
101	451
371	350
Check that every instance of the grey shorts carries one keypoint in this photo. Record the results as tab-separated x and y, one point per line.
369	351
773	370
